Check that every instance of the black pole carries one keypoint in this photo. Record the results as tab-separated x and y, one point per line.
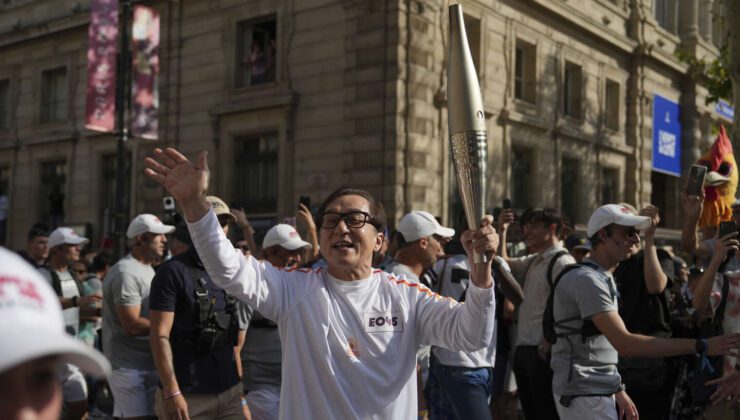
122	94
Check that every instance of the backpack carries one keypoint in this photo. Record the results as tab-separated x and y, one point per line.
551	266
588	329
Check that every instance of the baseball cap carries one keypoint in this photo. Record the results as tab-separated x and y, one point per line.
577	241
220	207
285	236
147	223
34	324
65	235
420	224
615	214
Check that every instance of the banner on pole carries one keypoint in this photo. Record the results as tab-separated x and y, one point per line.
100	104
145	74
666	136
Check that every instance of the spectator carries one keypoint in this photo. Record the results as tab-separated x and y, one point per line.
242	246
243	223
261	354
349	333
536	271
643	282
181	241
195	337
37	247
304	216
64	249
578	246
35	346
92	284
590	333
126	322
724	266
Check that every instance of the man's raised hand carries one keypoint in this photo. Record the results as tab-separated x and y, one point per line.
186	182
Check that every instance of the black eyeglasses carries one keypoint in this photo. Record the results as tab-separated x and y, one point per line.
353	219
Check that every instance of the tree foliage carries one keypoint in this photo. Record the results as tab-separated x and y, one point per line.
712	74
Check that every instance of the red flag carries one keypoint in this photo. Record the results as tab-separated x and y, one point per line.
145	72
101	66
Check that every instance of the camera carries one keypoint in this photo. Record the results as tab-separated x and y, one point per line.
168	203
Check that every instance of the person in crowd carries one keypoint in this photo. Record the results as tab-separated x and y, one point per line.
261	354
578	246
180	240
195	335
64	250
643	282
382	259
305	219
589	333
242	246
247	230
92	284
536	272
692	207
37	246
419	238
460	383
724	266
126	323
349	334
35	345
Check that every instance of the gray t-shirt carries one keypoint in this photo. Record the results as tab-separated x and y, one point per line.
69	290
584	367
402	269
126	284
262	354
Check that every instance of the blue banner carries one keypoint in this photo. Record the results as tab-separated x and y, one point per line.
666	136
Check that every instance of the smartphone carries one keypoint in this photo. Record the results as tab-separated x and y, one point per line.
506	204
695	183
726	228
305	200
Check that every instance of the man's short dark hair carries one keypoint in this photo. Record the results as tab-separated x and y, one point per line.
38	229
377	213
101	261
545	215
595	237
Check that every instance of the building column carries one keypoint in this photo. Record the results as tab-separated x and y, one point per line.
705	19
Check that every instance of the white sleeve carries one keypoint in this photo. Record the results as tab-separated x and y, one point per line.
258	283
455	326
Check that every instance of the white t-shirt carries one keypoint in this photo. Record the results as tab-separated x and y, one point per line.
349	348
454	279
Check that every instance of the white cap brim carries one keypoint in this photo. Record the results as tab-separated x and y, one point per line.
445	232
164	229
22	346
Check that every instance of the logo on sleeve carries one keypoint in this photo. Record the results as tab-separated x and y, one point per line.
382	322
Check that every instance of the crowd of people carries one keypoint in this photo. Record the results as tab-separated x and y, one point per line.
352	321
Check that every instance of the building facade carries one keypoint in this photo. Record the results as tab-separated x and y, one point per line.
296	98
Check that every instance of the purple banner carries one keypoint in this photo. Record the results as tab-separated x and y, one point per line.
145	73
101	66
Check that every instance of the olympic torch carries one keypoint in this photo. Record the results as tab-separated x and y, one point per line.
467	124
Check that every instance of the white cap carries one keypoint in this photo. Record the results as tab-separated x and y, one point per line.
285	236
65	235
150	223
33	325
420	224
615	214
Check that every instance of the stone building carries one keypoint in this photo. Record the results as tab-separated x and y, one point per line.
296	98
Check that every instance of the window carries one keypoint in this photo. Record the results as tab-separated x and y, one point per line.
612	107
524	72
256	51
609	186
666	12
52	189
4	104
256	173
572	90
569	176
54	95
108	191
472	29
521	163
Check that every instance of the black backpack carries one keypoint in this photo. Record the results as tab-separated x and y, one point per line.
588	329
